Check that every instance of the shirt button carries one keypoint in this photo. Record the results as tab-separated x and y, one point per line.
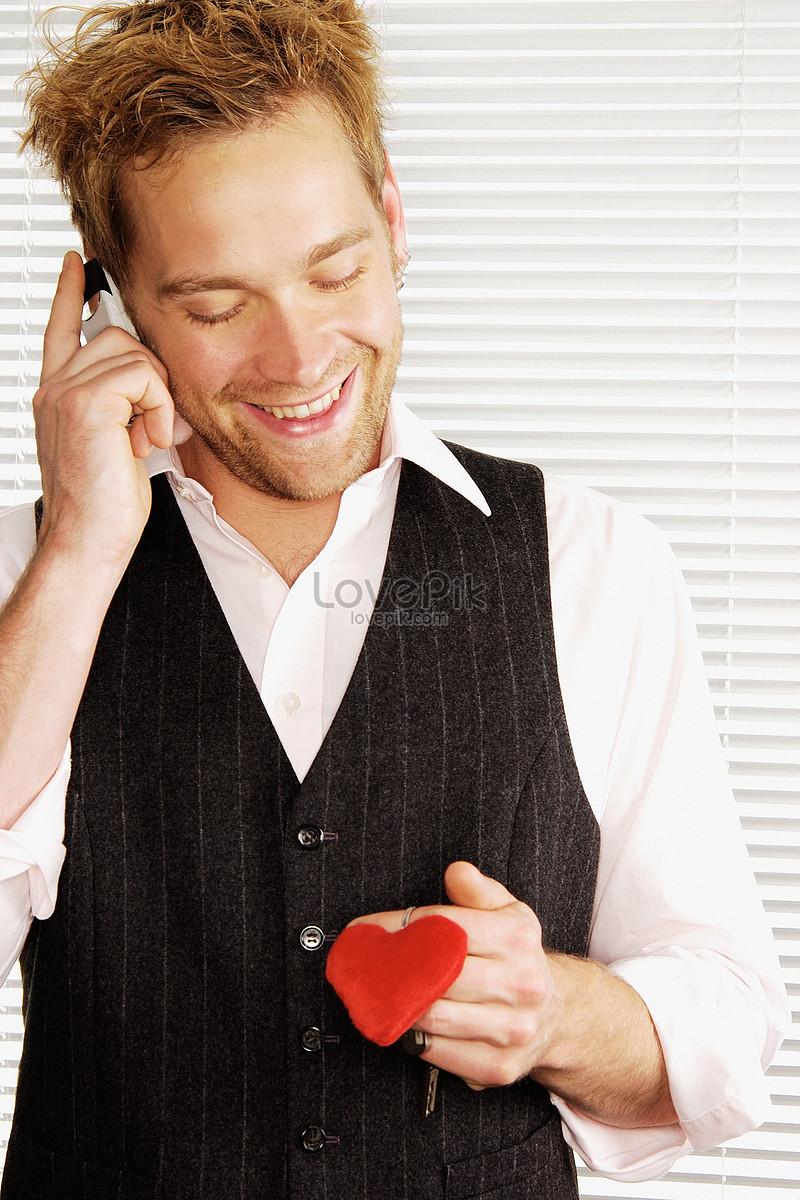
312	1138
312	1039
312	937
309	836
291	702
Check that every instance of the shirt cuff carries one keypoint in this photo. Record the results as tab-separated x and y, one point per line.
718	1031
629	1155
34	845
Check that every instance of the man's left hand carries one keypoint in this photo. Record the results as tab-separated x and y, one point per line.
496	1022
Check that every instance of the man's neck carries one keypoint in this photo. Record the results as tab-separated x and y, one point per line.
289	533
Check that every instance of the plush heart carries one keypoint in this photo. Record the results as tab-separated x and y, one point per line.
388	980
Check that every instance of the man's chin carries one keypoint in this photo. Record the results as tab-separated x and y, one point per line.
308	486
213	461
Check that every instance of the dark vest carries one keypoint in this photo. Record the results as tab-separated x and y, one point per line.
181	1040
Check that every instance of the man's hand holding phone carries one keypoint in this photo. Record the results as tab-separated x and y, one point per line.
100	411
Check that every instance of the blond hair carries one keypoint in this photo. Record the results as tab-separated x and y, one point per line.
138	83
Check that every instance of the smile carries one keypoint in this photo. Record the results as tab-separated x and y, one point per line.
301	411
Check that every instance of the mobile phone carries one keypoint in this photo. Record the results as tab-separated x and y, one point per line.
109	310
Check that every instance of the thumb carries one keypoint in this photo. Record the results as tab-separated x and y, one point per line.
468	888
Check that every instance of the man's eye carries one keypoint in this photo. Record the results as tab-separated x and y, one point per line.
339	285
215	318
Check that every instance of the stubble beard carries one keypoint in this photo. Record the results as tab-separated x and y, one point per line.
306	476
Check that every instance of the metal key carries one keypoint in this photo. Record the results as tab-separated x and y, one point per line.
431	1079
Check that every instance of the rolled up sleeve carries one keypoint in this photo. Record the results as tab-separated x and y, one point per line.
677	911
31	856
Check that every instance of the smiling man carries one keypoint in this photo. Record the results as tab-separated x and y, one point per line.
274	660
283	337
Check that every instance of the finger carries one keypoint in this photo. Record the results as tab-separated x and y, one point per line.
158	423
154	412
118	343
110	348
62	337
92	365
394	920
141	445
493	1023
467	887
151	429
478	1063
119	387
483	980
491	934
391	921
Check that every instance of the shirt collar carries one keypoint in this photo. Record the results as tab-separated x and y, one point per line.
404	436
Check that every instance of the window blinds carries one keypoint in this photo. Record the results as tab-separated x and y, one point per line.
602	199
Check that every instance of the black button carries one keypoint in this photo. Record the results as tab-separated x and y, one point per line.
309	836
312	1138
312	1039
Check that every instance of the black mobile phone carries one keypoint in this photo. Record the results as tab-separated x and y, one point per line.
108	308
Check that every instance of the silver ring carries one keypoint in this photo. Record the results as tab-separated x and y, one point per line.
407	915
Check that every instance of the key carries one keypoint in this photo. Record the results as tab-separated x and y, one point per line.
431	1079
414	1042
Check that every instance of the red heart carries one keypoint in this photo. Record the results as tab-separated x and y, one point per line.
388	980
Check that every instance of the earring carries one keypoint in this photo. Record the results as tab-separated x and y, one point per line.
402	269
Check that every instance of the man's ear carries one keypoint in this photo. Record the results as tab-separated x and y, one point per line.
393	209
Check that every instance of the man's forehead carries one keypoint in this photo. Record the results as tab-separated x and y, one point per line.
293	184
305	117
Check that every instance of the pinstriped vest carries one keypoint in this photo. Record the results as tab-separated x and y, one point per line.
167	997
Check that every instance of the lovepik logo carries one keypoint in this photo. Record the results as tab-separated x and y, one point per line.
435	591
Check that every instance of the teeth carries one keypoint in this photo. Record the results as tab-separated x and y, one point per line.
301	411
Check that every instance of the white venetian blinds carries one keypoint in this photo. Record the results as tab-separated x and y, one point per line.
34	235
603	200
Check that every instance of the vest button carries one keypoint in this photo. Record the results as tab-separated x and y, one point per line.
312	1138
309	836
312	937
312	1039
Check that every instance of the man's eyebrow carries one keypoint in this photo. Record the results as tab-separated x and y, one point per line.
342	241
192	285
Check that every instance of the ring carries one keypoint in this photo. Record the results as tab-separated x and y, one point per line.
414	1042
407	915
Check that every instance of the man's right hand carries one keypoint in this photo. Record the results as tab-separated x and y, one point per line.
94	480
96	502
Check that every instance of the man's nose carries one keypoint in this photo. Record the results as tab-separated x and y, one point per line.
293	345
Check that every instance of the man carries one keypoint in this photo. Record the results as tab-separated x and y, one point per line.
253	768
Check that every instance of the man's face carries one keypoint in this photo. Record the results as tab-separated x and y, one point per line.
264	279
